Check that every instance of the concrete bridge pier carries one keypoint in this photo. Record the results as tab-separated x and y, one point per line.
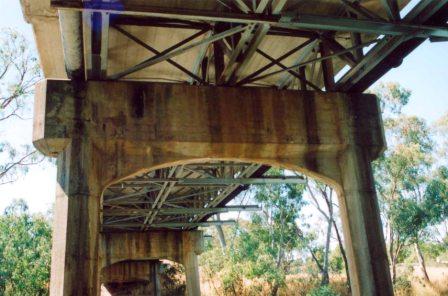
75	266
134	249
105	132
131	278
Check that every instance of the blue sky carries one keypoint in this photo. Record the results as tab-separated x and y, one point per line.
424	72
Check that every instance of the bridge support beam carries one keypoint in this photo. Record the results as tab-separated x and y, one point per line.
103	132
131	278
178	246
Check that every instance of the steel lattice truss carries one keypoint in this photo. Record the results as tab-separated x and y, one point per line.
183	196
361	42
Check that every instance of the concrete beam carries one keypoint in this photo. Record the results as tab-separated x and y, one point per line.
151	245
159	114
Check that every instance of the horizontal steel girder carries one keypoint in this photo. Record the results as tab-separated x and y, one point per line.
179	211
172	224
378	59
294	21
215	181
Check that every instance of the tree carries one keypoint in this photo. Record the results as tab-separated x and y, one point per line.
319	191
412	217
401	176
19	70
271	237
263	247
412	196
441	129
25	246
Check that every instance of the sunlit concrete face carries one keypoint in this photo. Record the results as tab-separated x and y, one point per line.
106	132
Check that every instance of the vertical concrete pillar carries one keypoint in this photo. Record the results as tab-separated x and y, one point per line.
364	239
74	262
193	246
155	277
192	274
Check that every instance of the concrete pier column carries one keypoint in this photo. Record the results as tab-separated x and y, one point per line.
192	274
192	247
74	262
364	239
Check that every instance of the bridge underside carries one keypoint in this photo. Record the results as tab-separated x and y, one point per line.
330	45
254	84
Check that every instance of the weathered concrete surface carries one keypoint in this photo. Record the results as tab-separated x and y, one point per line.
131	278
161	123
178	246
131	127
172	245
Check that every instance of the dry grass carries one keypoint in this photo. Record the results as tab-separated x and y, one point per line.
299	285
437	287
302	284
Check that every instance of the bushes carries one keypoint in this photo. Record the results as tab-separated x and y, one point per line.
170	279
323	291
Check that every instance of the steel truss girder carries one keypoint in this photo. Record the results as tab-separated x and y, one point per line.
172	224
168	54
153	50
218	181
319	59
156	198
299	21
389	51
180	211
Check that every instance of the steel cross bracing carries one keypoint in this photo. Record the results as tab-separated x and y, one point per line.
362	42
181	197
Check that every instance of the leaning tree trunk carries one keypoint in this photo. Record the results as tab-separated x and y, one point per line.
344	255
328	200
421	261
393	259
325	276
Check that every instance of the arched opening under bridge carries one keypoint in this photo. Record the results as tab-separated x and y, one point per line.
194	194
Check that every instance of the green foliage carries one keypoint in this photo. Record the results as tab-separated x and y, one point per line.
435	201
262	248
434	250
408	218
170	281
25	244
412	216
272	235
392	96
19	70
336	261
323	291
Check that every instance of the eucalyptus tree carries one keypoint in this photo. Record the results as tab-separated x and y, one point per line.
19	71
271	238
323	199
25	247
407	185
